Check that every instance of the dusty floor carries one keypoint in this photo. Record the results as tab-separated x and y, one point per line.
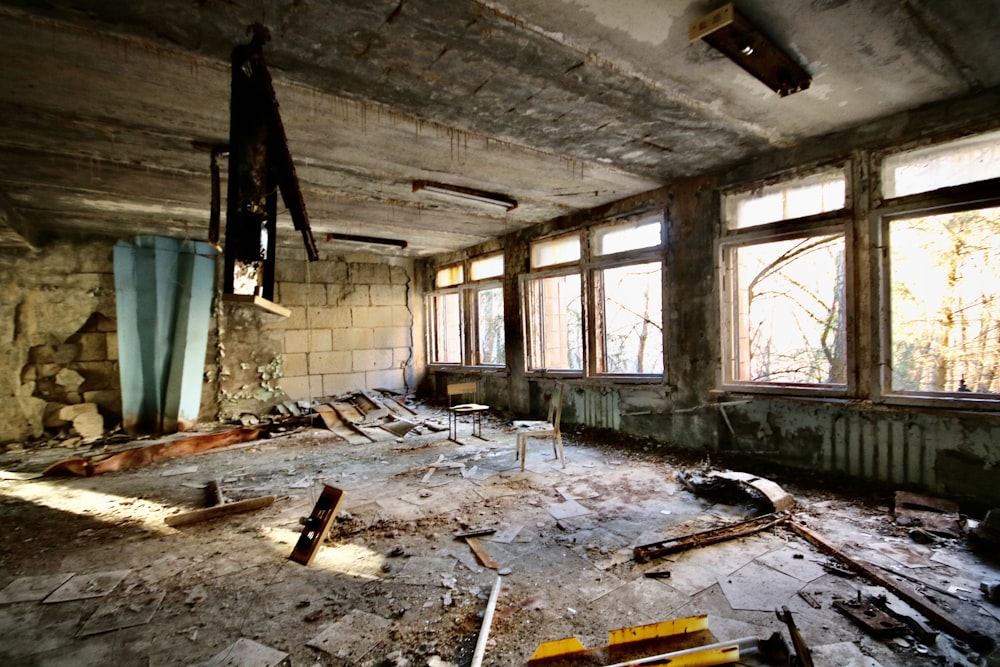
393	586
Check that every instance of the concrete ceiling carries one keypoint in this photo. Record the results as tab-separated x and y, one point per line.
106	107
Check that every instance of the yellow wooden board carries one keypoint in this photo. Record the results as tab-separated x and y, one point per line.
661	630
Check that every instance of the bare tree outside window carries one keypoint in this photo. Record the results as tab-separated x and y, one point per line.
945	302
789	322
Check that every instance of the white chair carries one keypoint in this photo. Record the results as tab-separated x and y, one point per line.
475	409
541	430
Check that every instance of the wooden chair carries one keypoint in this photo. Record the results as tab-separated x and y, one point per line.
546	429
475	409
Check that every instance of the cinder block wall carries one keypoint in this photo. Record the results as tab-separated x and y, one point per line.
351	325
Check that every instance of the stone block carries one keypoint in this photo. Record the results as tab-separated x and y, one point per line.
48	370
32	411
42	354
112	342
98	375
402	316
51	418
330	362
371	360
290	271
301	294
401	357
296	340
69	379
353	339
89	425
330	317
297	387
319	340
93	346
71	412
371	317
328	271
399	275
391	337
388	295
368	273
342	383
295	364
109	401
348	294
387	379
65	353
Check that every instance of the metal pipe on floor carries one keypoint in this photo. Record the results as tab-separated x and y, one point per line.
484	632
735	649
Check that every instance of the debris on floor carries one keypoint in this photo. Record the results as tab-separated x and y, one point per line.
218	506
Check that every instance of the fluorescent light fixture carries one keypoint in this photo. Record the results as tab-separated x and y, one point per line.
740	41
468	194
358	238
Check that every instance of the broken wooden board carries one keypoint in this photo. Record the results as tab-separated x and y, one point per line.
732	531
348	412
140	456
398	408
217	511
370	406
399	427
317	525
482	555
331	418
681	642
934	613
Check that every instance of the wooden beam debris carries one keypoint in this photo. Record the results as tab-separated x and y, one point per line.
218	507
648	552
934	613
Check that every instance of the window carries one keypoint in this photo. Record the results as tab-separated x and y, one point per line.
941	272
944	300
550	252
784	285
965	161
465	322
445	328
555	322
609	301
631	318
796	198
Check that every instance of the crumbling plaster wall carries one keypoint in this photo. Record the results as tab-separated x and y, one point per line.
351	327
57	327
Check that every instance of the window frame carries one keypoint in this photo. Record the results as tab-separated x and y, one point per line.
587	267
529	352
468	295
732	237
951	199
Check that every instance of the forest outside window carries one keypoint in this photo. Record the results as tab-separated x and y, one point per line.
465	323
941	272
784	285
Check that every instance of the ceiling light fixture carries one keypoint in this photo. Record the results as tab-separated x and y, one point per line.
731	33
468	194
358	238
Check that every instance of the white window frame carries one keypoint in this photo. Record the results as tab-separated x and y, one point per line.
587	267
733	237
468	295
